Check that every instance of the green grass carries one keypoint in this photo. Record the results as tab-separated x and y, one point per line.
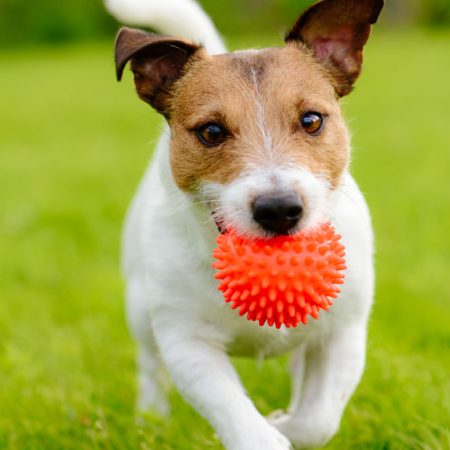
73	145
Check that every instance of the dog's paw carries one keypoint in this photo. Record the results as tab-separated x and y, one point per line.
305	432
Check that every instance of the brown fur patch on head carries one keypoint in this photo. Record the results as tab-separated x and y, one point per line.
258	97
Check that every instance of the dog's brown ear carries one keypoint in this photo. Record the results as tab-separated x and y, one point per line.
156	61
336	31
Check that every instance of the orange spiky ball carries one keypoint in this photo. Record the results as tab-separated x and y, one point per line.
282	280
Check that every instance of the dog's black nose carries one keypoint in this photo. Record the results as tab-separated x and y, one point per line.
278	213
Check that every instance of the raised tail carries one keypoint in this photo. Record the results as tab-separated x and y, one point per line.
182	18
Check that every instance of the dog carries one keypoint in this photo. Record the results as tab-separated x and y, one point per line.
254	140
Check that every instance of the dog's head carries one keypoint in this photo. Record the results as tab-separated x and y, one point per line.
257	135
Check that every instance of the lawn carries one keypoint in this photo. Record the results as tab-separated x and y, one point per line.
73	145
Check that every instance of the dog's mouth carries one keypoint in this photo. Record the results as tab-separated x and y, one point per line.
220	224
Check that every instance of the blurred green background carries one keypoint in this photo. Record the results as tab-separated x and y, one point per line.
49	21
73	145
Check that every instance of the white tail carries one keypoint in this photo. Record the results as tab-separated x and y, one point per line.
182	18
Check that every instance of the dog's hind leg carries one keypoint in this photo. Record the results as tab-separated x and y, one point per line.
297	370
152	382
152	378
297	374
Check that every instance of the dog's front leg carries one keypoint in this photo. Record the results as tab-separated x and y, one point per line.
205	376
333	368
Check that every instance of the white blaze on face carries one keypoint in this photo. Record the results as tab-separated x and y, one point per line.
232	203
261	117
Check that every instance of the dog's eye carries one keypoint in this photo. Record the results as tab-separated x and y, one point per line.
311	122
211	134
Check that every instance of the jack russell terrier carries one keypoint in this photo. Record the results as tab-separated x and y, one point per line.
255	140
